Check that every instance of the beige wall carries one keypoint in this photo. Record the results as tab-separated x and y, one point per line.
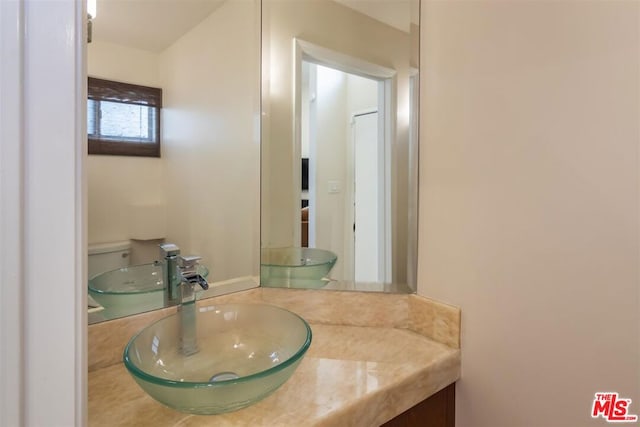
116	183
529	202
331	163
211	140
122	63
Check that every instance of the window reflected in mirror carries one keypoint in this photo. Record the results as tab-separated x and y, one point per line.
123	119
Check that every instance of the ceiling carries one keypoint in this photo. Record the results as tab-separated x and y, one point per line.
396	13
154	25
151	25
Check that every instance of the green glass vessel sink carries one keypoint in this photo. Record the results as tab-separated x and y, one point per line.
245	352
296	267
131	290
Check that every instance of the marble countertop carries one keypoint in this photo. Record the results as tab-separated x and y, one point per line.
352	375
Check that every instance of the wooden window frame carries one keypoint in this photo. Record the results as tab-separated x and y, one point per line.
126	93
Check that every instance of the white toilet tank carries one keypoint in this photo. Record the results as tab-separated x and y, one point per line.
108	256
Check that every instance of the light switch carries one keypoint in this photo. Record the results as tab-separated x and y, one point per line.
334	187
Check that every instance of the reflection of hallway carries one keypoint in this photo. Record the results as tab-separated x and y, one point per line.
331	101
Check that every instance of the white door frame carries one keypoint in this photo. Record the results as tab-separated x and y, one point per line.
414	146
43	316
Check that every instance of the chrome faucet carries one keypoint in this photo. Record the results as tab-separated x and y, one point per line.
189	278
169	254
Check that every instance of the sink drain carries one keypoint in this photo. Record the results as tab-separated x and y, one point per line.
223	376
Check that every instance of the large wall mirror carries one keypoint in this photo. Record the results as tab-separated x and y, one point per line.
203	192
339	144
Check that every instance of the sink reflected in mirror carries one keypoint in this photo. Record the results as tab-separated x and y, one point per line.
245	352
296	267
130	290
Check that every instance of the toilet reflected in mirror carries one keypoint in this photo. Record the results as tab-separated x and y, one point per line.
108	256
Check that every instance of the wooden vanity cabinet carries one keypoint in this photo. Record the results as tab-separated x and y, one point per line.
438	410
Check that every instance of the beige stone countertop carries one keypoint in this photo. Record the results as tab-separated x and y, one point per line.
352	375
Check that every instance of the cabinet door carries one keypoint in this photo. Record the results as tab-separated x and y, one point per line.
438	410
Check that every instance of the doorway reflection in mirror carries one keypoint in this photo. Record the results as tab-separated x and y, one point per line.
343	141
339	163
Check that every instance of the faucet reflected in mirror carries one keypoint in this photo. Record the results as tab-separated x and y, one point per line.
169	253
343	177
131	290
202	192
